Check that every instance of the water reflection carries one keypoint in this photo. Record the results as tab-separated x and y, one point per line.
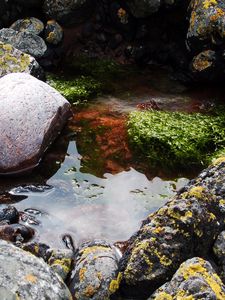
87	206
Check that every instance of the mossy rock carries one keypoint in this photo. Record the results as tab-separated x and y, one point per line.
175	139
75	89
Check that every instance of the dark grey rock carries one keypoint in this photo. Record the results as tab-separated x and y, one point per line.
53	32
24	41
31	25
32	115
9	214
143	8
95	273
195	279
13	60
26	277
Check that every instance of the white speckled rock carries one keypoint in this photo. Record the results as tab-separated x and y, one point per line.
32	115
26	277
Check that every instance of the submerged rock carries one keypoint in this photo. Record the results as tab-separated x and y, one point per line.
16	233
32	25
185	227
14	61
95	274
25	41
195	279
24	276
32	115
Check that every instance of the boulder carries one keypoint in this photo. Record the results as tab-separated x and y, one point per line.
68	12
207	24
185	227
53	32
13	60
195	279
26	277
24	41
95	274
32	115
32	25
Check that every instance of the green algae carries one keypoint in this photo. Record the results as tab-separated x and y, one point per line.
75	89
177	140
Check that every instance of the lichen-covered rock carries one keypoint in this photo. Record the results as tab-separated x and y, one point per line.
143	8
24	41
185	227
32	25
95	274
26	277
207	24
53	32
32	115
14	61
68	12
219	252
195	279
61	261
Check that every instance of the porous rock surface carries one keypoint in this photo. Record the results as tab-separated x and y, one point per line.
195	279
26	277
13	60
95	273
185	227
32	115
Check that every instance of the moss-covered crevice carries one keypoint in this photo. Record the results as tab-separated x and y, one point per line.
175	139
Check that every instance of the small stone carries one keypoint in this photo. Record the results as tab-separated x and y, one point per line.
53	32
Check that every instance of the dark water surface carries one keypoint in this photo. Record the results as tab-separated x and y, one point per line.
90	184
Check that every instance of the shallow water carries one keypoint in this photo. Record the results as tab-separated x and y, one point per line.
90	184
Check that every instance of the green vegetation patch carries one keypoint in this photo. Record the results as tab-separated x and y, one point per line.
175	139
76	89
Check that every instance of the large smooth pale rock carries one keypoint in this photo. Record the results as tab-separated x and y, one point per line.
32	115
13	60
26	277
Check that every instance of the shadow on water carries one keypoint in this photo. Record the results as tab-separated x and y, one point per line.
90	184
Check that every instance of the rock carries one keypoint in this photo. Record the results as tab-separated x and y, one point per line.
16	233
37	249
207	24
13	61
31	25
30	3
68	12
143	8
53	32
26	277
32	115
24	41
95	274
195	279
185	227
219	252
61	261
9	214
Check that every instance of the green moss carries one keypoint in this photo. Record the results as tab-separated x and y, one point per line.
175	139
75	89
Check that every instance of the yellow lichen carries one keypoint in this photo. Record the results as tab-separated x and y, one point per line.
31	278
219	160
82	274
115	283
91	250
196	192
209	3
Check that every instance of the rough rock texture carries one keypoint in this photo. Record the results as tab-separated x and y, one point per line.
67	12
23	276
207	24
32	25
53	32
14	61
195	279
24	41
9	215
32	115
185	227
16	233
143	8
61	261
219	252
95	273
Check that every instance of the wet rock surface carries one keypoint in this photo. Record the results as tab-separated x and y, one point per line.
25	41
14	61
32	115
24	276
16	233
9	215
95	274
185	227
195	279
